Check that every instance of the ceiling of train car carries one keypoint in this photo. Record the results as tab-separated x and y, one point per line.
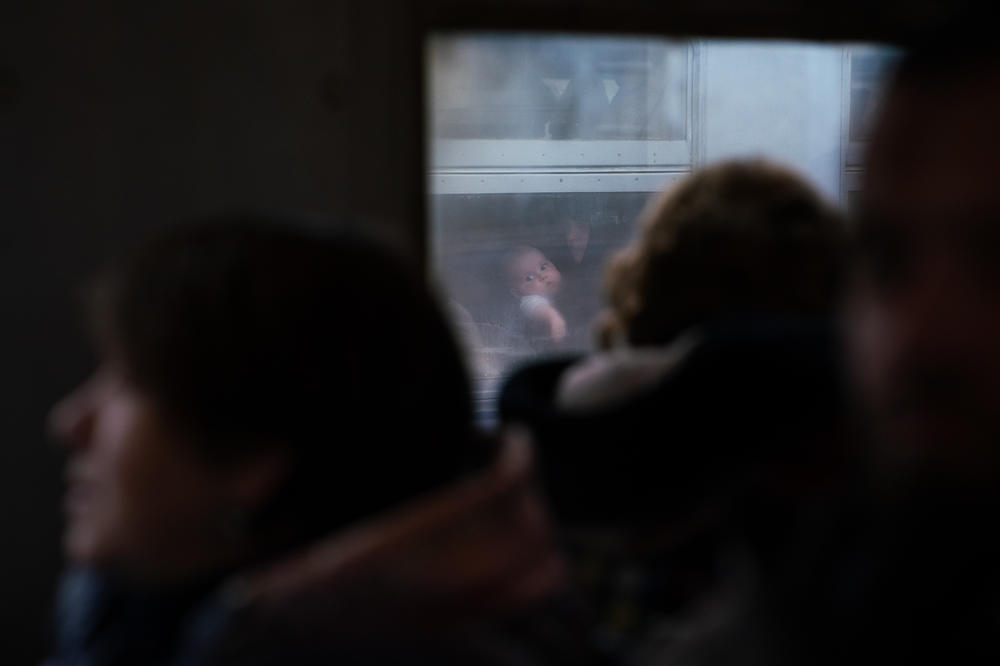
841	20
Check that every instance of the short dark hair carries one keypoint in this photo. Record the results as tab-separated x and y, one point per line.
256	332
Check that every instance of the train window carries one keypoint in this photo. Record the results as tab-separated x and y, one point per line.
543	150
865	70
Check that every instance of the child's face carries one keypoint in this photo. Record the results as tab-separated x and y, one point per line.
532	273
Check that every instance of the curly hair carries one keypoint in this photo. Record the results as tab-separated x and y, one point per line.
740	237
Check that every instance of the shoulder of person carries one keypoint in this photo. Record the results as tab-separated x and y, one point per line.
608	378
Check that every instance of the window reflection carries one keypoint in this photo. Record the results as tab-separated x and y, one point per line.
558	88
868	74
575	233
554	143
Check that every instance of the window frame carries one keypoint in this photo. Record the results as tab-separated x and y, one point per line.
501	166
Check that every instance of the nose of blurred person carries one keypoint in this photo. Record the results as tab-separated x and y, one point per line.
71	421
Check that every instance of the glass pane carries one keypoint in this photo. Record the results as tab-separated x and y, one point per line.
544	150
573	233
558	88
868	74
487	275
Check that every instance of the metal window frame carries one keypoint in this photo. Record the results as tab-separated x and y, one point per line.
853	153
499	166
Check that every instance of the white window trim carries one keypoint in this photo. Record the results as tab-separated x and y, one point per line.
853	153
531	153
529	182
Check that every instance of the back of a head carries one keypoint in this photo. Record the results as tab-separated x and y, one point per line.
254	332
738	238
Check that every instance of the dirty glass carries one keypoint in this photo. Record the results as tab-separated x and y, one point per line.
543	151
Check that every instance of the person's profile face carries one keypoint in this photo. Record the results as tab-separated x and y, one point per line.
532	273
138	499
924	312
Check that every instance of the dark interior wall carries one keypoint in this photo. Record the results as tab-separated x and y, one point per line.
120	118
851	20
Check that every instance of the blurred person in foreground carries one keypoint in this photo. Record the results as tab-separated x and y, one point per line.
923	322
675	457
274	463
905	567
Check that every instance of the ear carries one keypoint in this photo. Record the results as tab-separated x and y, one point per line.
252	481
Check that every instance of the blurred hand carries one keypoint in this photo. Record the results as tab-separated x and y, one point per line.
558	326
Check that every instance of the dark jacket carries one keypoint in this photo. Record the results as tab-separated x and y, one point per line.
466	575
687	487
747	394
